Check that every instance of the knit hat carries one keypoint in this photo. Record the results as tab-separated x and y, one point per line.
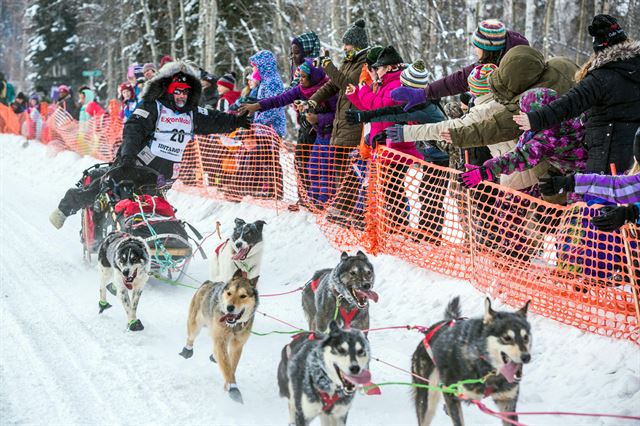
148	66
490	35
606	32
309	44
315	74
165	59
479	79
388	56
126	86
372	55
228	80
356	35
64	89
207	76
536	98
415	75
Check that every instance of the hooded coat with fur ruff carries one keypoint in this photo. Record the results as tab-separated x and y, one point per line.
611	91
140	127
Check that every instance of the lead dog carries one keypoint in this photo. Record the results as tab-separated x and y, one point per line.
125	259
319	374
494	347
228	310
243	250
350	282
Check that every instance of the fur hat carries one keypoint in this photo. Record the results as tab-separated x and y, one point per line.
479	79
453	110
490	35
356	35
606	32
415	75
156	88
228	80
388	56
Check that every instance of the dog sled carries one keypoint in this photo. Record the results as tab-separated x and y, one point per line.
134	203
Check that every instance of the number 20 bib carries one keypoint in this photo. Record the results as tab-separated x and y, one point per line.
173	133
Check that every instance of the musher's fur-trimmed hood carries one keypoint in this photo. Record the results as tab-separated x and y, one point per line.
156	88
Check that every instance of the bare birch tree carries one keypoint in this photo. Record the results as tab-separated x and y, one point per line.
150	35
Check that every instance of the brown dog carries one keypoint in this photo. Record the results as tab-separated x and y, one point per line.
227	309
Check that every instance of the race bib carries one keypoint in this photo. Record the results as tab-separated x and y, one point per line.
173	134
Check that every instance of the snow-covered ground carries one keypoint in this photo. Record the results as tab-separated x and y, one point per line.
62	363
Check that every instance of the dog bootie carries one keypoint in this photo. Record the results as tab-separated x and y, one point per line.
103	305
186	353
57	218
136	325
112	289
234	393
212	359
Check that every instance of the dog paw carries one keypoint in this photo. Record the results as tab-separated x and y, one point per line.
212	359
136	325
234	393
186	353
112	289
103	305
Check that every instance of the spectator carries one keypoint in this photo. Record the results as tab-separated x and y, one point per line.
128	101
89	108
35	116
7	92
209	97
65	101
608	86
149	70
226	89
20	103
266	71
305	45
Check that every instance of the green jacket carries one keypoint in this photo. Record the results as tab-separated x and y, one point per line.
344	134
522	68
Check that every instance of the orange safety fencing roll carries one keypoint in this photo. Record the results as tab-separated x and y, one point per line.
510	245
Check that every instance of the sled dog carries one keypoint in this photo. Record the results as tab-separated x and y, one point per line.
319	374
494	347
243	250
349	286
228	310
124	259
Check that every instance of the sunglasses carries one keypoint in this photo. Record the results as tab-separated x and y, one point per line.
180	91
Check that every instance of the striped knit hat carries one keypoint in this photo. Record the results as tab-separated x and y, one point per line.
228	80
479	79
490	35
415	75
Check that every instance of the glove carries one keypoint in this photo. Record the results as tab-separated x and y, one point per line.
395	133
379	139
354	116
244	121
409	96
613	217
474	175
557	185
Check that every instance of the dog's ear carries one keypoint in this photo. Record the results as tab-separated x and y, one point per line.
239	222
361	255
334	328
237	274
259	224
489	314
254	281
523	311
344	255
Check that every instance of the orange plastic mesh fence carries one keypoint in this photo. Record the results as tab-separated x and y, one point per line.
509	245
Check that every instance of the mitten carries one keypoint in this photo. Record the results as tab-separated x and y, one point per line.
395	133
409	96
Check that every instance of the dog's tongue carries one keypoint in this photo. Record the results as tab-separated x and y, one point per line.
368	294
509	371
361	378
241	254
226	317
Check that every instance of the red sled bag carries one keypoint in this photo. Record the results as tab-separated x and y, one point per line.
150	204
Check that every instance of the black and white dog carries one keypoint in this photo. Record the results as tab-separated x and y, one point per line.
319	374
494	347
124	259
242	251
349	286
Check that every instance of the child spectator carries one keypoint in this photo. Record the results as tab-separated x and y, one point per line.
226	89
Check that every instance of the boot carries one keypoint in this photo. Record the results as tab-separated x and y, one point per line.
57	218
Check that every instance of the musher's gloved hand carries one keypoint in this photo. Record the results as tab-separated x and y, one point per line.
613	217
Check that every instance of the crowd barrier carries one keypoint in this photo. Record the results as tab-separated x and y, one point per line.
509	245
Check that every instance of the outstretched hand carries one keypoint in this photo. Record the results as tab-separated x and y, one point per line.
614	217
474	175
248	108
445	135
522	120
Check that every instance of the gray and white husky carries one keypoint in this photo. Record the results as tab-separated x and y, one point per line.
243	250
124	259
351	282
319	374
494	347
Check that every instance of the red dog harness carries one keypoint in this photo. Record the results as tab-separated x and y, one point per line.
347	317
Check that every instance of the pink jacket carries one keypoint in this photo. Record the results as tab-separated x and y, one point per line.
365	99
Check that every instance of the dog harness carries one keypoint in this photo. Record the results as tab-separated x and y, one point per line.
347	317
244	266
328	401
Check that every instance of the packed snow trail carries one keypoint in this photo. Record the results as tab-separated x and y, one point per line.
62	363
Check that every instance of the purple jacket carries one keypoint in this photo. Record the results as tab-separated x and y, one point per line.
456	83
621	189
325	119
